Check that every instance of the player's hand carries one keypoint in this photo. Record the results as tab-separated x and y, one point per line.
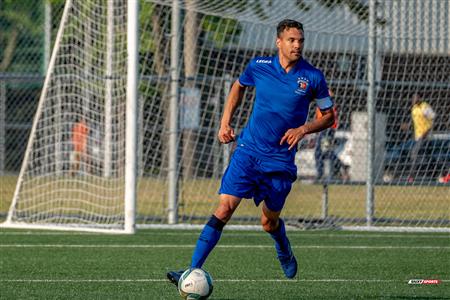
293	136
226	134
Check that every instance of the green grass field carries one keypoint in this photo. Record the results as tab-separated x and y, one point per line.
333	265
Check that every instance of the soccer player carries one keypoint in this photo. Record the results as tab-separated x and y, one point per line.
262	166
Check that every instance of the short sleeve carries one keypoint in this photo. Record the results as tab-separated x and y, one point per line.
246	77
321	94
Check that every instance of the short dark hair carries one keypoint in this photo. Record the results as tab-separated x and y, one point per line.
286	24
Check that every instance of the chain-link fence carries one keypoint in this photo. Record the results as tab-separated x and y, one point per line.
410	59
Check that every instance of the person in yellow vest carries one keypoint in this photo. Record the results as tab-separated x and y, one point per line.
422	116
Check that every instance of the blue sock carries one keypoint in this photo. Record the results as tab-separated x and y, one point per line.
207	240
281	240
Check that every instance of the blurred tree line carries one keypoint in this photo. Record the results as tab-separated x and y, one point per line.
22	33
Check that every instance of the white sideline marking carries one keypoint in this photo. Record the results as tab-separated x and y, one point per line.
308	235
240	234
216	280
218	246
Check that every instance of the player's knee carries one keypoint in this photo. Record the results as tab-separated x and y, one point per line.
226	208
224	212
269	225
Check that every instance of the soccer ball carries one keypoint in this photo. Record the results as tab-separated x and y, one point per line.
195	284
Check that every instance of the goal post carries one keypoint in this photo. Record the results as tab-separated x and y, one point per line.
131	116
149	79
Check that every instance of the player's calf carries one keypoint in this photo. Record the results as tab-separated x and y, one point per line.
288	263
282	245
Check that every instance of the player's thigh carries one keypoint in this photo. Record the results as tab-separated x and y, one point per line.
239	178
227	206
274	190
270	214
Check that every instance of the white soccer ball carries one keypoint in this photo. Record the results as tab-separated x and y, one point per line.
195	284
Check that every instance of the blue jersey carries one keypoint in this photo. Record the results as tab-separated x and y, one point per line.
282	102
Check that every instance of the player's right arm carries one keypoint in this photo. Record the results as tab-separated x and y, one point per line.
226	132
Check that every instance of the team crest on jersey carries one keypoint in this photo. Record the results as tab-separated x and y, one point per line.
303	84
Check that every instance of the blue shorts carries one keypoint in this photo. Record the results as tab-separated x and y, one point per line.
250	177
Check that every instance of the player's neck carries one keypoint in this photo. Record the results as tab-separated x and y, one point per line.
287	64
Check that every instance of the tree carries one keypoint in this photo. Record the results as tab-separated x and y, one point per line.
19	23
358	8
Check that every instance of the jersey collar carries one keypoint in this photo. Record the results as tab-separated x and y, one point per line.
280	69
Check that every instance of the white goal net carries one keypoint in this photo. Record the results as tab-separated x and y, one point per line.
73	173
74	168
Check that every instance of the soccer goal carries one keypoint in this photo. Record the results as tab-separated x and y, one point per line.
79	170
125	130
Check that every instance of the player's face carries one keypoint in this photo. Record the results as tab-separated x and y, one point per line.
290	44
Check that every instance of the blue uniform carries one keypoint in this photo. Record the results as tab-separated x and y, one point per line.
262	168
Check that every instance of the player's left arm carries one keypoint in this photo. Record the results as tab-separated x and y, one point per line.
295	135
